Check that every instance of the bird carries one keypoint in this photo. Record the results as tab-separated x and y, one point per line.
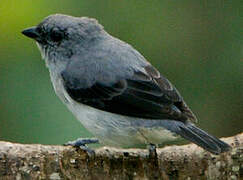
113	91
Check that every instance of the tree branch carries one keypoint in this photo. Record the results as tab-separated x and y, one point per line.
18	161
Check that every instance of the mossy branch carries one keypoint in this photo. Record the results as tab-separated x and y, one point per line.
20	161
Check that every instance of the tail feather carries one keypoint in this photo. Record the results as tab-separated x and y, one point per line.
201	138
223	146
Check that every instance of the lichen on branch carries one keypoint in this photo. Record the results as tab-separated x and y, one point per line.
21	161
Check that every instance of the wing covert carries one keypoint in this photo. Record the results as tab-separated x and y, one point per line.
145	94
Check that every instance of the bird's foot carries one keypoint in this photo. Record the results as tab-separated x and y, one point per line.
82	144
152	151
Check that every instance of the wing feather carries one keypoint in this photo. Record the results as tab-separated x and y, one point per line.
146	94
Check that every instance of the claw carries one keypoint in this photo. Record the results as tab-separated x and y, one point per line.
89	151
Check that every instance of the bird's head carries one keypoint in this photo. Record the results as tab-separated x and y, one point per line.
60	36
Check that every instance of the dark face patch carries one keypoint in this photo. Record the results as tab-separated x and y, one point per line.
50	35
56	35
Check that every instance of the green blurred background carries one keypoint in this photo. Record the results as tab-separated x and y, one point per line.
196	44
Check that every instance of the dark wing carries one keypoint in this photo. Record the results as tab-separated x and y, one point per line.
146	94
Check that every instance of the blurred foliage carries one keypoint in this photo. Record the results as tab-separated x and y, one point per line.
196	44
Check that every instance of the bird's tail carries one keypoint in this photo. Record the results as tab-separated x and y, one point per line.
201	138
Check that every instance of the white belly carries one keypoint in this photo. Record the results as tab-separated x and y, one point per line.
121	131
115	130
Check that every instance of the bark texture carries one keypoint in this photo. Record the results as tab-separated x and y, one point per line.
20	161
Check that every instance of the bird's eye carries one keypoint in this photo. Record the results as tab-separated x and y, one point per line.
56	35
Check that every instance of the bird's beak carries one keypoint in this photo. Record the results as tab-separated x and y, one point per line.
31	33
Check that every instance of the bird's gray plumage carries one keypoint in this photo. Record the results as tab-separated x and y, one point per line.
110	87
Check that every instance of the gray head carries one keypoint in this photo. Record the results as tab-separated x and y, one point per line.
60	36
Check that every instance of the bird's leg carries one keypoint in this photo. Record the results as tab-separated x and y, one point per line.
151	147
153	161
82	144
152	151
